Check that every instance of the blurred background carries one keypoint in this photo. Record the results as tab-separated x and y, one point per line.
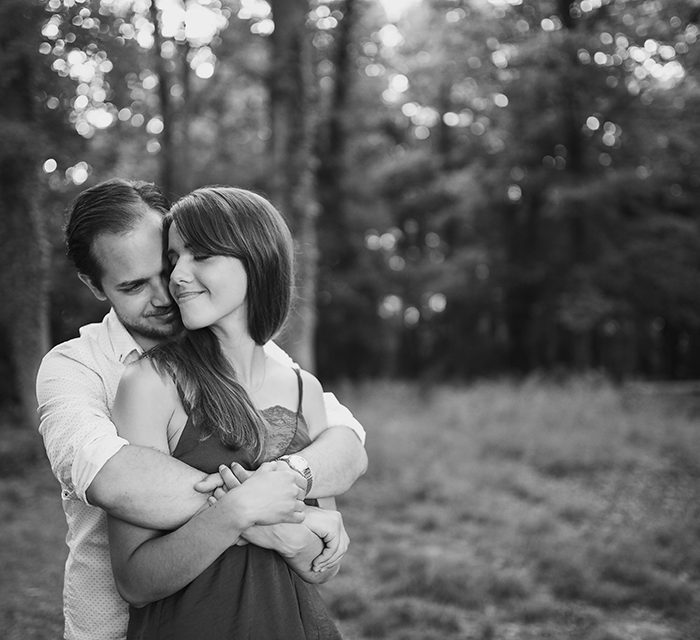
495	204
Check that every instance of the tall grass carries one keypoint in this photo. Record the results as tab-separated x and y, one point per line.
498	510
530	510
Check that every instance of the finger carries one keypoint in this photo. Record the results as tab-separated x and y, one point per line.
326	567
332	554
325	563
211	500
230	480
322	561
209	483
220	493
297	517
240	472
296	477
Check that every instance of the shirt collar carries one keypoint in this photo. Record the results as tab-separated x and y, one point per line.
126	349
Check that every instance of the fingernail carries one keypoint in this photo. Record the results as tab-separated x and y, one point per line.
222	467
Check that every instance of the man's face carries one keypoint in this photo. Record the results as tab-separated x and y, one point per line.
135	280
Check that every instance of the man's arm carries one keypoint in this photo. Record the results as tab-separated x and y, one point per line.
337	456
337	459
147	488
92	463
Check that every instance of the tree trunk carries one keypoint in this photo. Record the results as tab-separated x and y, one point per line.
292	168
331	170
184	142
24	250
166	156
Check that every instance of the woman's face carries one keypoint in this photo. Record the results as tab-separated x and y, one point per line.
208	289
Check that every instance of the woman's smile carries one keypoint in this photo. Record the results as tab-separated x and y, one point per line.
182	296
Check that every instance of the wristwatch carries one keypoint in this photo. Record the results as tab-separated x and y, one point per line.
299	464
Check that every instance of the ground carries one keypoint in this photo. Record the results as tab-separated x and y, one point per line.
496	510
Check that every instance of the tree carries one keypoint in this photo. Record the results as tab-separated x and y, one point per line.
292	162
24	251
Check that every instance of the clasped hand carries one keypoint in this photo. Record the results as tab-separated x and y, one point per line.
273	493
326	524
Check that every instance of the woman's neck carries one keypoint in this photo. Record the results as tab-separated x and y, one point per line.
246	357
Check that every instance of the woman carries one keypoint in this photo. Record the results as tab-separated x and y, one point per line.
210	397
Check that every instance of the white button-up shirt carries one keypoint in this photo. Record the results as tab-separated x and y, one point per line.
76	386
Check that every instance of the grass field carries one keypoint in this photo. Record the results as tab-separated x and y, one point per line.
491	511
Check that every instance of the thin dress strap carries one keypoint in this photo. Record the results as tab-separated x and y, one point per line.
301	392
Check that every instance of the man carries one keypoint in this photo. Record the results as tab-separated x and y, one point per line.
114	239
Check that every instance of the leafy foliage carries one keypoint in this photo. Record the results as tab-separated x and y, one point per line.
502	185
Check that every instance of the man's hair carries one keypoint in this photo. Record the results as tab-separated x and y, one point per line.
238	223
113	206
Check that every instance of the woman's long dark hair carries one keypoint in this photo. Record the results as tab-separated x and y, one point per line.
241	224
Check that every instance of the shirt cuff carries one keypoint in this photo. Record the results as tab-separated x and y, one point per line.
90	459
339	415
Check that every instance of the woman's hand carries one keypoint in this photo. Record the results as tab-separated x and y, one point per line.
271	494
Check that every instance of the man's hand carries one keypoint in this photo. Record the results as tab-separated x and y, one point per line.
327	525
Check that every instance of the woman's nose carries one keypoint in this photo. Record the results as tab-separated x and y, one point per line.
180	273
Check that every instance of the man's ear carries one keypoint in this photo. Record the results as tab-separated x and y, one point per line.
96	291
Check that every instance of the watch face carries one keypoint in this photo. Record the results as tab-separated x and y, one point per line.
297	462
300	465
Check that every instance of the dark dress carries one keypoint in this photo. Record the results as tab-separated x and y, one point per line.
248	593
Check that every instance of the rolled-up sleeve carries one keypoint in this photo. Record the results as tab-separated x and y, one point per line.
339	415
75	423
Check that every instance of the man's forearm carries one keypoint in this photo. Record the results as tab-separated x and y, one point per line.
148	488
337	459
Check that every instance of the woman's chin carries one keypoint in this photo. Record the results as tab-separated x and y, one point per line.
191	324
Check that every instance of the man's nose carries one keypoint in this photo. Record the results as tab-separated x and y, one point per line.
161	295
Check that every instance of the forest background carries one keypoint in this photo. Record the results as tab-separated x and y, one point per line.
476	188
487	196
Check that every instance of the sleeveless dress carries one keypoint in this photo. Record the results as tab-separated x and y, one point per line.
247	593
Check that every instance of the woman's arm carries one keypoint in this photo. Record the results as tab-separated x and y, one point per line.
149	565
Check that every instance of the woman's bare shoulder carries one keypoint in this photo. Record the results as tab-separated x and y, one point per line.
144	377
312	386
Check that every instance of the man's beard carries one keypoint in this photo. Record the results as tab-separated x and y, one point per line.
155	331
